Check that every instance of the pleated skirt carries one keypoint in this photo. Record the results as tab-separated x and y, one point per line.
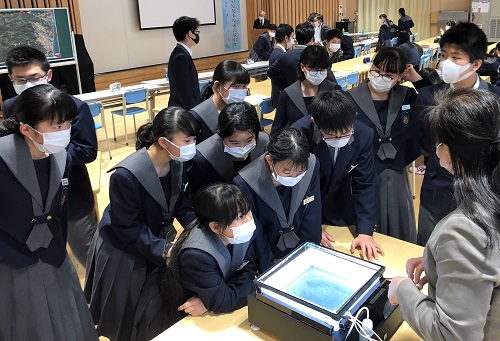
43	302
113	285
396	215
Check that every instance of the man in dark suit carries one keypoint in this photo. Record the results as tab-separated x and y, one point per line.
284	42
284	71
29	67
340	47
182	74
348	176
317	20
264	45
261	21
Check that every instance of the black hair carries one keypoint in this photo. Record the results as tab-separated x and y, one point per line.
402	11
272	27
314	57
382	16
291	145
319	16
227	70
311	16
283	30
467	37
304	33
451	23
183	25
498	46
467	121
37	104
24	56
333	111
219	202
431	74
391	59
240	116
168	122
333	33
404	38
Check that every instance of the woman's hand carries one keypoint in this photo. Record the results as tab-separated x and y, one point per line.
369	248
414	269
193	306
393	289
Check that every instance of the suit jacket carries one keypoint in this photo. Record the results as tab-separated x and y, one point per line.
291	106
463	301
275	90
405	24
211	164
324	28
257	23
183	79
206	116
348	188
436	194
140	213
304	213
396	145
82	149
23	211
347	46
264	46
284	71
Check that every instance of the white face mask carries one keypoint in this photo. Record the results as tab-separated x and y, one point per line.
242	233
335	47
317	24
316	79
239	152
53	142
186	153
287	181
337	143
446	28
272	34
451	72
19	88
290	43
235	96
379	84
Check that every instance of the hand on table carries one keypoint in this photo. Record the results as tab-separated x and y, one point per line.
327	240
193	306
369	248
414	269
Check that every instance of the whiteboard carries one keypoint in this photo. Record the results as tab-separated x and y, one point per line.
162	13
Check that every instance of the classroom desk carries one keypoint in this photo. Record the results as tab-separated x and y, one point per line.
235	326
354	65
105	95
428	42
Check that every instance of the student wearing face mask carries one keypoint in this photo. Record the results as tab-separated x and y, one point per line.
264	45
283	186
340	47
146	193
388	109
348	176
182	74
284	42
295	101
237	143
41	295
463	50
216	258
28	67
320	28
229	85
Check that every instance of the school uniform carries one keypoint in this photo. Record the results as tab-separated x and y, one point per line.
395	146
211	164
39	288
348	177
222	276
275	90
183	78
130	241
262	48
405	23
206	116
292	104
383	36
436	195
82	149
289	215
347	47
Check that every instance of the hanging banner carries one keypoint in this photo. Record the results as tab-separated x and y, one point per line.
232	25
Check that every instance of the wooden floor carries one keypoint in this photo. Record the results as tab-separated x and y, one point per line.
119	150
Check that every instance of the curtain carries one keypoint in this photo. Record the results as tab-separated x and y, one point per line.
419	11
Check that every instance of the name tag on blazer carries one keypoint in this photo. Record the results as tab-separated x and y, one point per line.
243	264
308	200
405	107
352	168
64	181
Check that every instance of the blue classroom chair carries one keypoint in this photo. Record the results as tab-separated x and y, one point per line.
130	97
96	109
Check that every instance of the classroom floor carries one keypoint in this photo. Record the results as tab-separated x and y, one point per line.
120	151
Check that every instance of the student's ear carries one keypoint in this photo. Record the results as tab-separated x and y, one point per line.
49	75
215	227
268	160
25	130
477	64
162	143
312	120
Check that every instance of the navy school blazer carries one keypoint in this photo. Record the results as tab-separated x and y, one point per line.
304	216
206	116
275	90
349	189
183	79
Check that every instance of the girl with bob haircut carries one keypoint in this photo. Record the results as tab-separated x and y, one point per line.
462	257
40	292
146	193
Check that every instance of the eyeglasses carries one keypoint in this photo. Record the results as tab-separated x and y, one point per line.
315	72
376	73
330	138
195	31
32	79
247	89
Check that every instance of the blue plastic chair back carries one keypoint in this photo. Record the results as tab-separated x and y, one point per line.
394	41
429	52
425	61
352	78
412	38
135	96
415	37
202	84
367	48
266	106
357	51
95	110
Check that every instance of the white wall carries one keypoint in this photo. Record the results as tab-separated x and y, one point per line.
115	42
